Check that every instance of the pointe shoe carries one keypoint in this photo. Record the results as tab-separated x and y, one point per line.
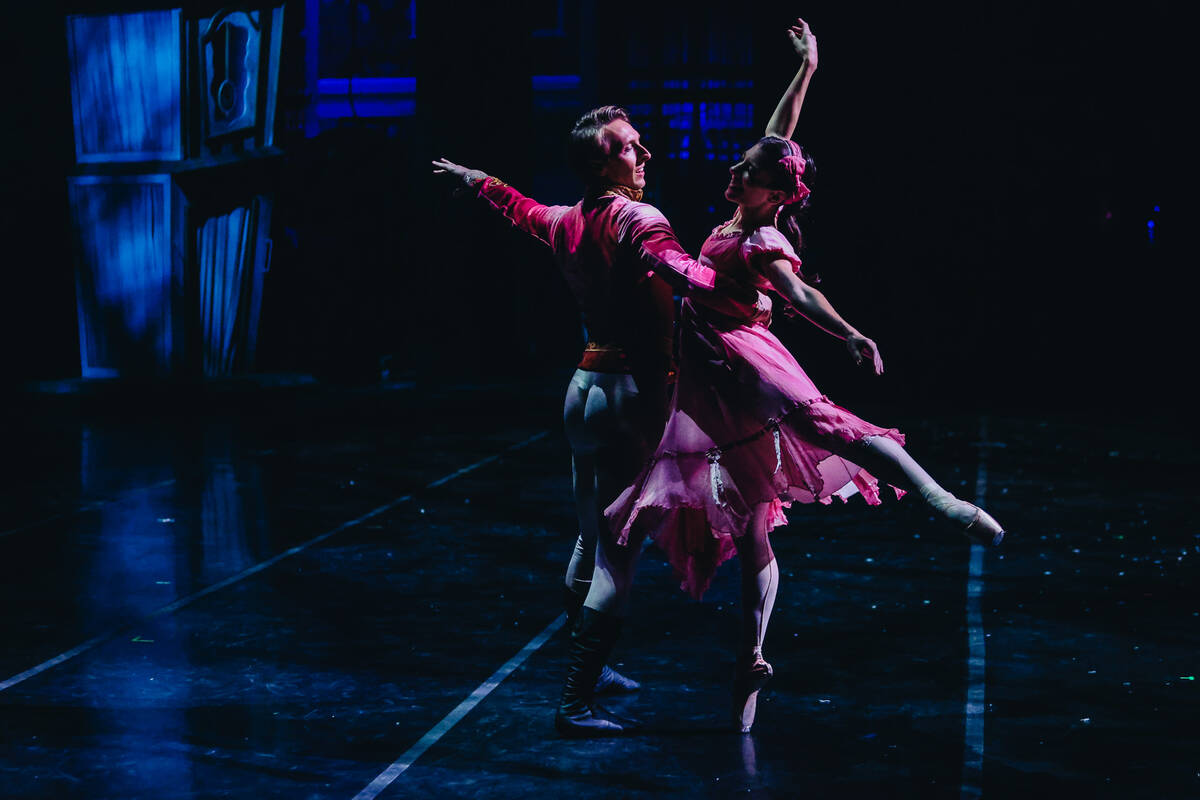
983	529
971	520
613	682
746	685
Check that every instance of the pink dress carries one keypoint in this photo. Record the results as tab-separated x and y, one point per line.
747	426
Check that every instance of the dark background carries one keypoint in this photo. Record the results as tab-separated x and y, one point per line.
986	176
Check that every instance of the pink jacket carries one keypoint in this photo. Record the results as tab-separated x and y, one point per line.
611	250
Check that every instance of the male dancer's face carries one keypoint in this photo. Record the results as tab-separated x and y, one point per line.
627	157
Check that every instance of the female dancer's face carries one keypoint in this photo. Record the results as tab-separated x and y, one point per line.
626	155
748	182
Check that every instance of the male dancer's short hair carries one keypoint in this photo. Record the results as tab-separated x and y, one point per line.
586	148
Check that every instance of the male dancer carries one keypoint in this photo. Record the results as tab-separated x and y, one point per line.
621	261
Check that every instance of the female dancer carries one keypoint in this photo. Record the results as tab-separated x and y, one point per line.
748	431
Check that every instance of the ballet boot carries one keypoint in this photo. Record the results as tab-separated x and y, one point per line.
613	682
591	642
749	678
610	681
968	518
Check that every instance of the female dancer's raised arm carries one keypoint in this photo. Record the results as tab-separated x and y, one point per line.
783	120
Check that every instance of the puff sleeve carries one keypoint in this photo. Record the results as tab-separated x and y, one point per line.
767	244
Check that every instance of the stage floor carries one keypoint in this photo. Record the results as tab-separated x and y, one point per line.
316	593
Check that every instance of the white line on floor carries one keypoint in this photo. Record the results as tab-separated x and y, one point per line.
259	567
972	775
410	755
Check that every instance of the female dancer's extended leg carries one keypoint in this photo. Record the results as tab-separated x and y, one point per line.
890	462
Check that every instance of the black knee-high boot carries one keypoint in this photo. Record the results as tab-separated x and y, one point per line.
592	641
610	681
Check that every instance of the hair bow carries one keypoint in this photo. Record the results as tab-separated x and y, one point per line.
794	164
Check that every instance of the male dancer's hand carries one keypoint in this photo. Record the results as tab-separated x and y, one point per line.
804	42
861	347
467	176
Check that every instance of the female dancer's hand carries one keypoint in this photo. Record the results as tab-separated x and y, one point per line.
467	176
861	347
804	42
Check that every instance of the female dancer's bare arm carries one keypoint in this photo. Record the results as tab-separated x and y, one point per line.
820	312
783	121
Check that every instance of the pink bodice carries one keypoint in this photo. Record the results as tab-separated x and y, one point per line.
738	259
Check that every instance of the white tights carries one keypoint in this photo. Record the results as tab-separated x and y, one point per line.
760	583
604	418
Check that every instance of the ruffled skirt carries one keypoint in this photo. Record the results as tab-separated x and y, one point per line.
747	427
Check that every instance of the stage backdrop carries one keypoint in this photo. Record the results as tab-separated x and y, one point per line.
169	209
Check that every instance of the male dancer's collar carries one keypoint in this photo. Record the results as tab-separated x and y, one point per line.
624	191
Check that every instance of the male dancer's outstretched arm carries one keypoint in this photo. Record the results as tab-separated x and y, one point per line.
645	228
536	219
